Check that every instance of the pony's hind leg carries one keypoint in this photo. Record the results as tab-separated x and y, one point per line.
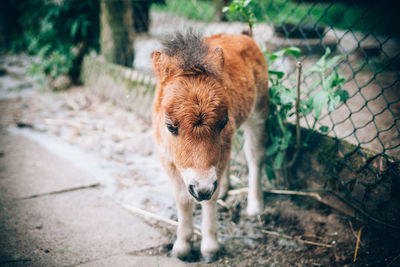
254	144
225	183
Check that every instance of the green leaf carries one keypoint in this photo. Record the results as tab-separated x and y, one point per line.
294	51
314	68
338	80
343	94
329	81
278	160
333	102
287	96
288	135
319	100
322	60
272	58
286	140
270	173
246	3
74	28
272	149
315	85
279	74
332	61
324	129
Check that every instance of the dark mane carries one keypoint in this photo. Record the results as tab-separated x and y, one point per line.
190	51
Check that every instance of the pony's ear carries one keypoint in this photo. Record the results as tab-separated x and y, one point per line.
163	65
215	59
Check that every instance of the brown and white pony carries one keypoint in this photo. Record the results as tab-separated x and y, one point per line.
206	89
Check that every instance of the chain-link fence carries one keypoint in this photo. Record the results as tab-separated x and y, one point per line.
358	161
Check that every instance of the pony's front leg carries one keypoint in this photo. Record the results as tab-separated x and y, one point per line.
209	242
184	203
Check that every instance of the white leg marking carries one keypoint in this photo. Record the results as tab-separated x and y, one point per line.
209	243
184	205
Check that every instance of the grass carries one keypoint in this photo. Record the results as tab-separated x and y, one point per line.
336	14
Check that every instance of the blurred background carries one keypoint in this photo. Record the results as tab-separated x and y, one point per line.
80	71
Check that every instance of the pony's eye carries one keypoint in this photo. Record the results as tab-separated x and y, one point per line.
172	128
223	123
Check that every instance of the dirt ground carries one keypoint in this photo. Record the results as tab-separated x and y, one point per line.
281	236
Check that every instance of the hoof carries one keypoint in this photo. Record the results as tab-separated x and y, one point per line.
209	250
253	210
210	258
180	250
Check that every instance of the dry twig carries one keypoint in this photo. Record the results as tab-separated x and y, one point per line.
296	239
239	191
62	191
357	244
155	216
223	204
244	190
354	233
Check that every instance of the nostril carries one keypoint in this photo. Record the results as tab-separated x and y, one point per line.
202	194
205	195
191	191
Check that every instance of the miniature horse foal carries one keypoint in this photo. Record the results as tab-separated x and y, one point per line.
206	89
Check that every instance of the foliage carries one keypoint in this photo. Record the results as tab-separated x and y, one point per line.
282	101
244	8
326	91
57	32
332	93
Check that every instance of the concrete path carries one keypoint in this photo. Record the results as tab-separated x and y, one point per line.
53	214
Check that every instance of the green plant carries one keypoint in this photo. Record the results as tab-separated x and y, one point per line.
326	91
331	94
51	66
244	8
58	33
282	101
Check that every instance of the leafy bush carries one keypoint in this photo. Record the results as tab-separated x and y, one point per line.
326	91
58	32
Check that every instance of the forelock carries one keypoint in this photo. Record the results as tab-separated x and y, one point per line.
190	52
